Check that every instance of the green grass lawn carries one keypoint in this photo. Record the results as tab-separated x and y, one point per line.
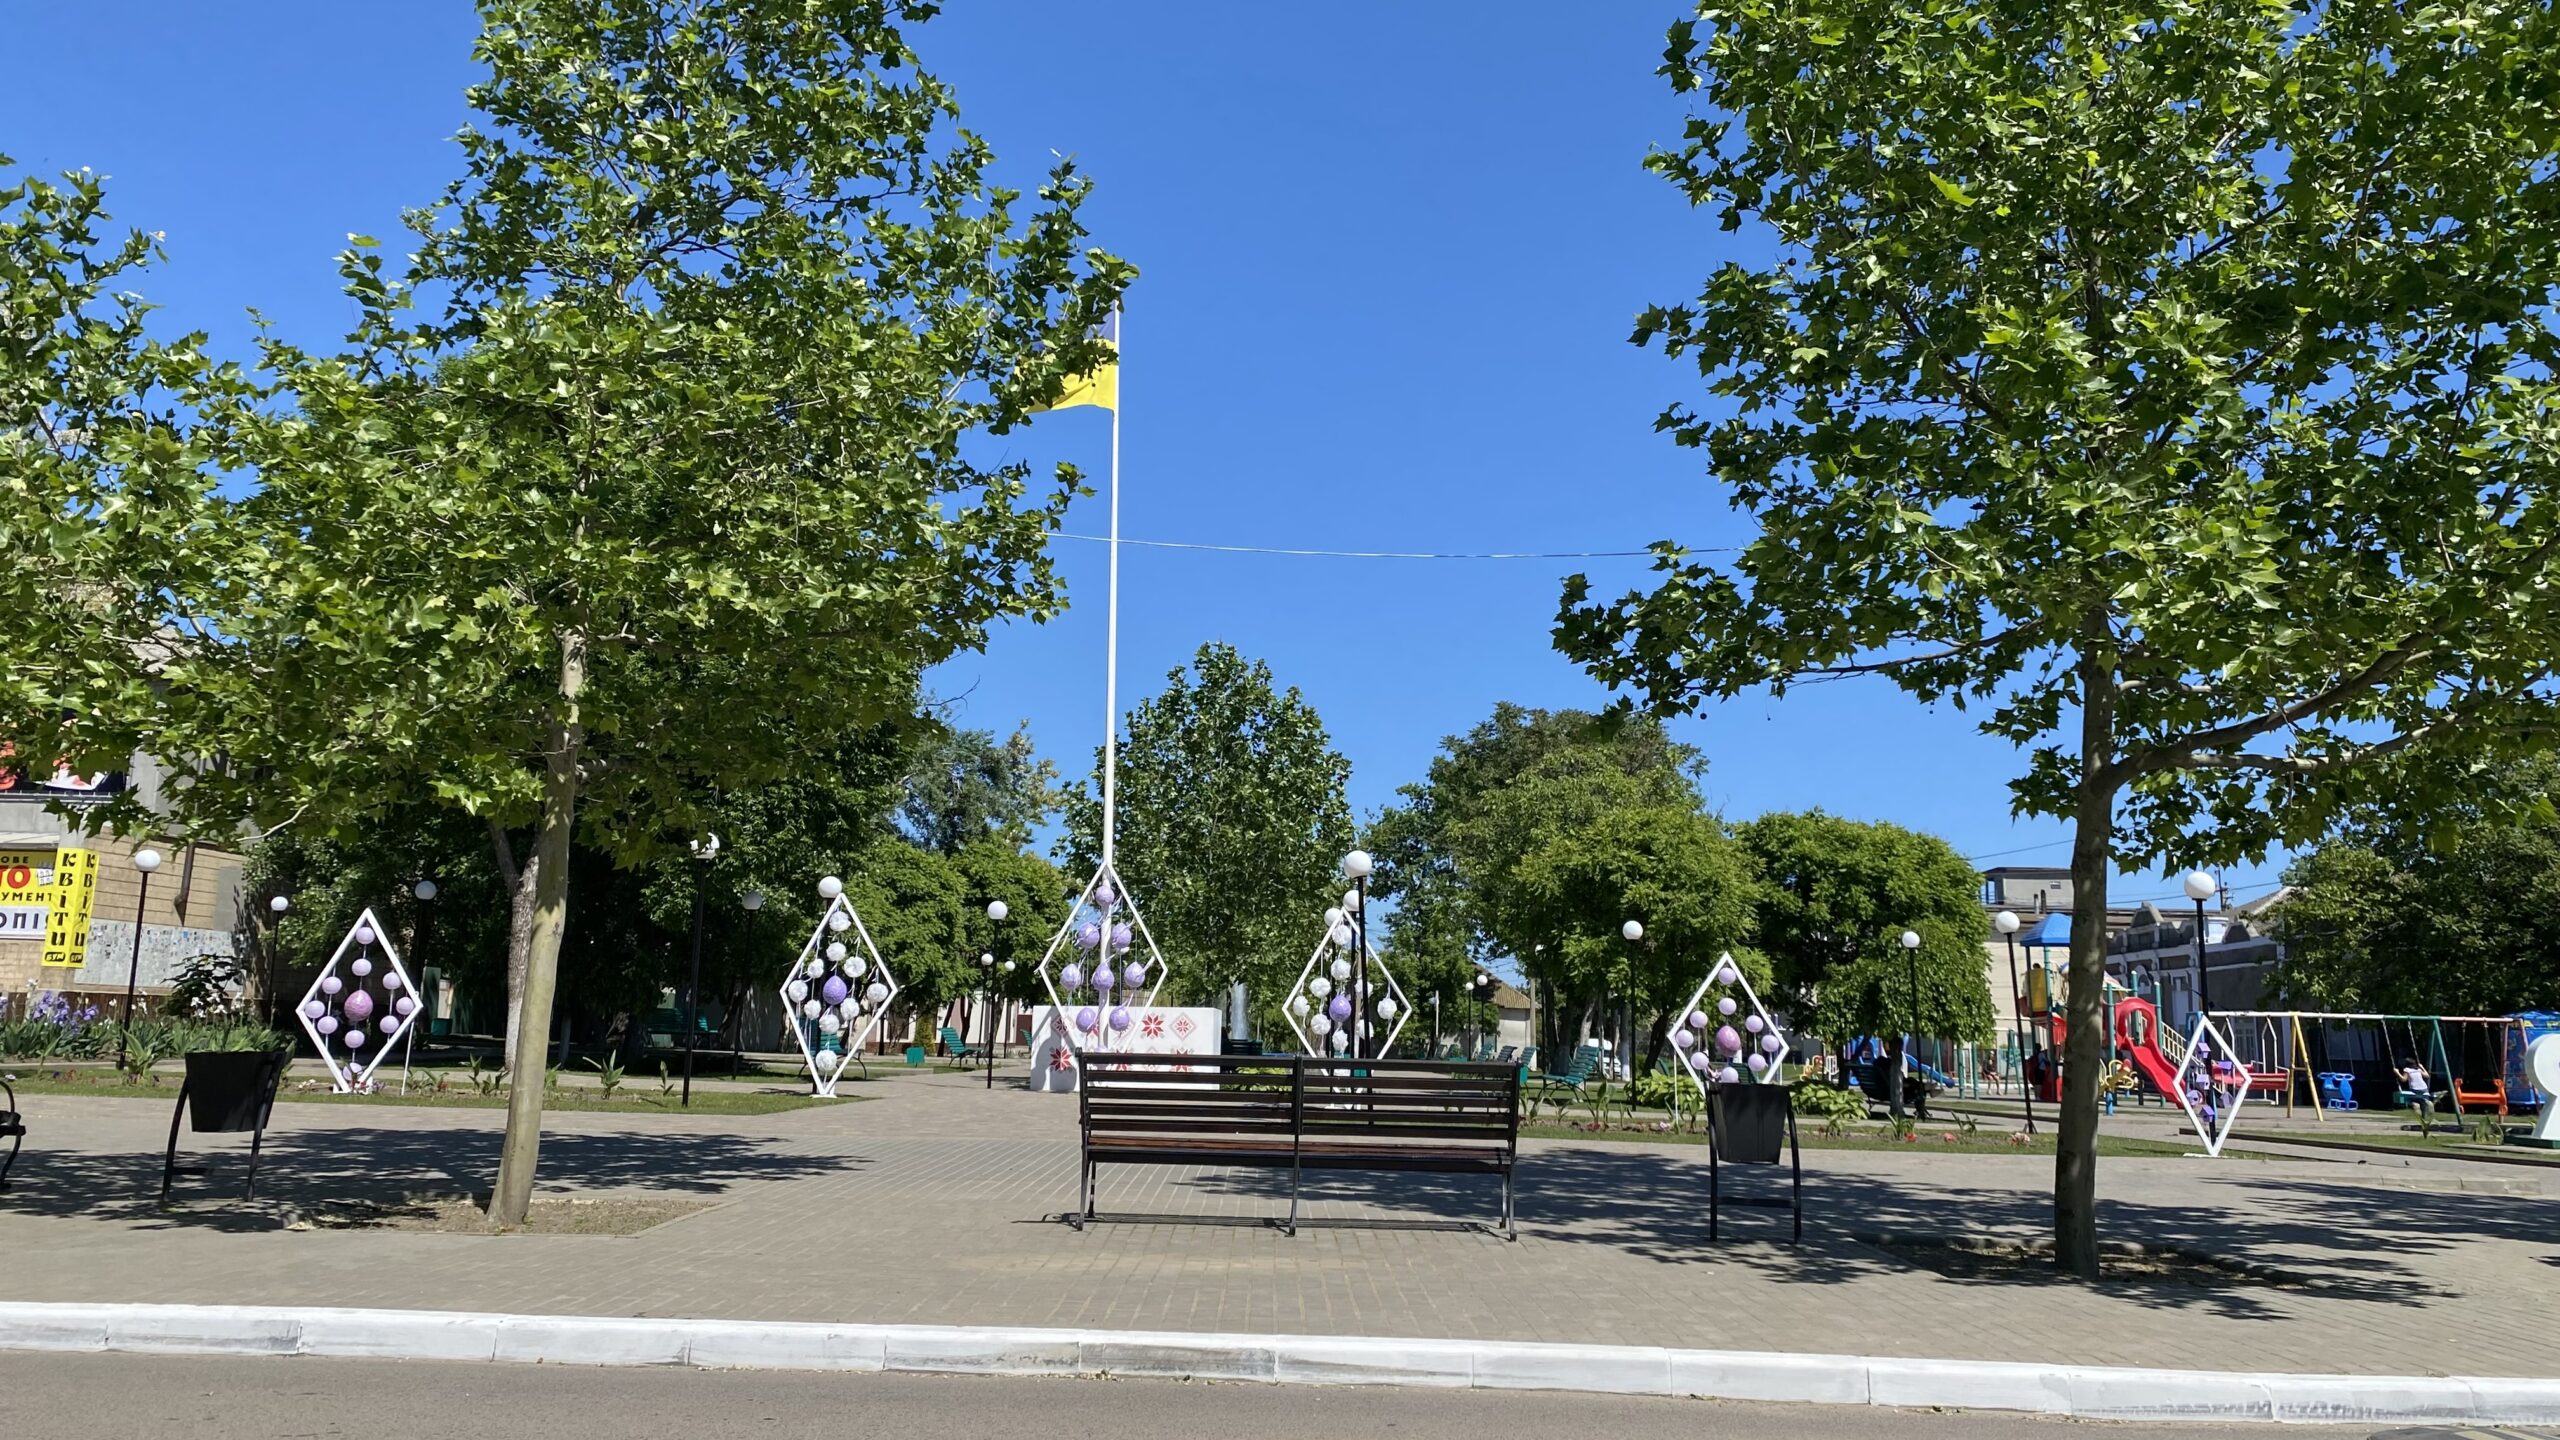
1929	1140
640	1099
2445	1141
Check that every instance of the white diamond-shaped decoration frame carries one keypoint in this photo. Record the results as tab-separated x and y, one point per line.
837	994
358	1007
2212	1082
1723	1040
1328	993
1087	965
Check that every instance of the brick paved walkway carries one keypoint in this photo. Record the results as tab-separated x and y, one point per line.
933	1204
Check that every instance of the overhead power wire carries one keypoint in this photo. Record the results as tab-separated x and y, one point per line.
1396	554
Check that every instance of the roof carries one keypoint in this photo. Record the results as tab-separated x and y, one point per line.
2052	931
1507	997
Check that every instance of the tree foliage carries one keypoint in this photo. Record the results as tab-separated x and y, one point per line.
965	786
1835	896
2175	384
1232	827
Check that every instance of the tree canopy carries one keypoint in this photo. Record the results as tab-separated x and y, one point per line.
2175	385
1232	827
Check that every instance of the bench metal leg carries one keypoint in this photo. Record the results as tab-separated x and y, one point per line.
169	1160
1510	1231
15	1141
1292	1227
256	1139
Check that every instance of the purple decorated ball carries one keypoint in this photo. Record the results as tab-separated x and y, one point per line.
1103	979
1770	1045
1088	935
1120	1017
1683	1039
359	1007
1698	1020
1726	1006
834	991
1752	1024
314	1009
1104	897
390	979
1087	1018
1726	1040
355	1037
326	1024
1339	1007
1120	937
1133	974
1071	977
331	985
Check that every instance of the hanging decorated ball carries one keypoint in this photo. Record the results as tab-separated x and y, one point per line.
359	1007
1088	935
1757	1063
856	967
839	922
1103	978
355	1037
828	1024
1340	1008
809	1009
1725	974
1333	917
1320	1026
1351	898
1728	1075
360	965
1387	1007
364	934
829	1062
1725	1006
331	984
1341	1039
1104	897
404	1005
1771	1045
1120	1017
796	991
1339	969
836	951
1753	1024
1133	974
876	993
1683	1039
1120	938
1071	976
1698	1020
391	980
314	1009
1340	935
1320	986
1297	1004
1726	1040
817	966
1087	1019
1699	1061
834	991
326	1024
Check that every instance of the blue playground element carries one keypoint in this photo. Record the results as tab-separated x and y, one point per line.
2337	1089
2531	1025
1911	1062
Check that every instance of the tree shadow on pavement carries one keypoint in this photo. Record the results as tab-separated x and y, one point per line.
306	1169
2271	1237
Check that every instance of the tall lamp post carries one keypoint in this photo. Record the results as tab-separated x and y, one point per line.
751	902
704	850
2006	922
1904	1057
1355	868
1633	932
996	911
145	860
275	953
424	890
2200	887
1478	991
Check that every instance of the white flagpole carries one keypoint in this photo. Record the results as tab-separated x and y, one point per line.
1111	642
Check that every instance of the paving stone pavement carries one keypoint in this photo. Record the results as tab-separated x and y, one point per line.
936	1202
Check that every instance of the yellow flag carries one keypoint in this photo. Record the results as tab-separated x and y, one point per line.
1100	386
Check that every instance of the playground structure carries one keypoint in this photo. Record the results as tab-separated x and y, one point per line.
2322	1059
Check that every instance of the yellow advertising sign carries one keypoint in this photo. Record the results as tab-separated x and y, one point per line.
26	892
75	885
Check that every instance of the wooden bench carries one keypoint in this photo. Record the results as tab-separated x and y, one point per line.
1298	1113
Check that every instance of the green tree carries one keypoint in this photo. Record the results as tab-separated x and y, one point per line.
673	465
1232	827
2446	913
2175	385
965	786
1835	896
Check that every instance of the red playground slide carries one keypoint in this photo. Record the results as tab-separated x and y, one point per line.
2137	1043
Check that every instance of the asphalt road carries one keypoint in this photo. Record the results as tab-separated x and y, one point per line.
122	1397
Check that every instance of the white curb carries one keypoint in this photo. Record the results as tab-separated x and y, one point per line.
2094	1392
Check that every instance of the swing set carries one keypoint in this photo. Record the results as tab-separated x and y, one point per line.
2286	1051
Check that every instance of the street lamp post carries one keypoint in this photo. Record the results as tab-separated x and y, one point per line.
996	911
704	850
424	890
275	955
2006	922
1355	868
2200	887
145	860
1903	1056
751	902
1633	932
1478	990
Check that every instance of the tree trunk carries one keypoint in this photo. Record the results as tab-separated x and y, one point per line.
2084	1050
520	899
549	873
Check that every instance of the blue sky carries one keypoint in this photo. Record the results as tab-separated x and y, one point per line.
1390	255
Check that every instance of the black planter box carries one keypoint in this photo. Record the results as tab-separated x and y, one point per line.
231	1090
